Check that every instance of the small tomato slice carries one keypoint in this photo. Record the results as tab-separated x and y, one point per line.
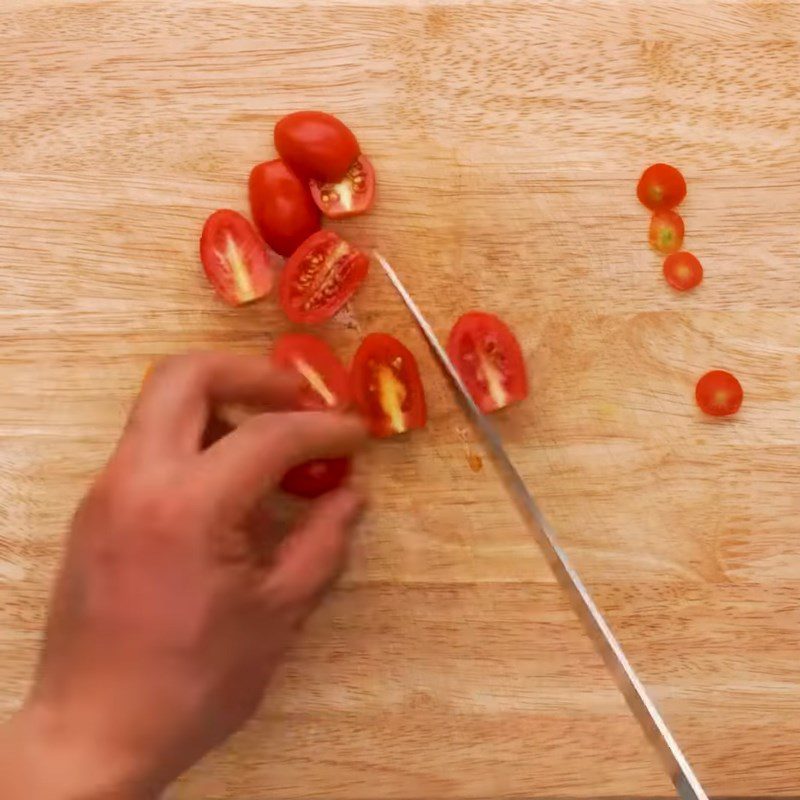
317	477
387	386
718	393
666	231
320	277
316	145
352	195
235	259
489	360
282	206
683	270
661	187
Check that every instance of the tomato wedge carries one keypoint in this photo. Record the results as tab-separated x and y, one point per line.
489	360
235	259
282	206
683	271
321	276
666	231
661	187
718	393
387	386
316	145
352	195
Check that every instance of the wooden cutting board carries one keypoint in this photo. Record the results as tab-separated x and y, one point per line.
508	138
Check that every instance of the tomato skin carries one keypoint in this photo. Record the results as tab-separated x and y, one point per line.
316	145
324	253
666	231
489	360
235	259
683	271
387	386
282	206
354	194
661	187
719	393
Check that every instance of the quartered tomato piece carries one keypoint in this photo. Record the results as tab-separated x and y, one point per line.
321	276
718	393
661	187
387	386
352	195
235	259
683	271
317	477
316	145
489	360
666	231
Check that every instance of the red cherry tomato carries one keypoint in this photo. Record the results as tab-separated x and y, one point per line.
683	271
235	259
316	145
661	187
387	386
666	231
317	477
320	277
718	393
282	206
489	360
352	195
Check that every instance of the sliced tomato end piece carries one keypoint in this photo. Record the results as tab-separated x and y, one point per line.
315	478
660	187
719	393
683	271
666	231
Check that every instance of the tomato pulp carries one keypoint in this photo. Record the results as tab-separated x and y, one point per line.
387	386
683	271
666	231
718	393
661	187
354	194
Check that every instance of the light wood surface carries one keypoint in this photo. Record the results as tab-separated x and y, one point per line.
508	138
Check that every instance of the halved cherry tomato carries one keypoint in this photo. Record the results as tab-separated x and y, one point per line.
321	276
316	477
683	270
235	259
387	386
352	195
718	393
282	206
660	187
666	231
489	360
316	145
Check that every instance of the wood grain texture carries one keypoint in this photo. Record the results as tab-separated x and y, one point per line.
508	138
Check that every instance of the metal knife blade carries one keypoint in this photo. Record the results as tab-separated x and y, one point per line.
644	710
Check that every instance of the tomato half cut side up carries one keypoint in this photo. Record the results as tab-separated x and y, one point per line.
719	393
352	195
320	277
387	386
235	259
666	231
489	360
683	271
661	187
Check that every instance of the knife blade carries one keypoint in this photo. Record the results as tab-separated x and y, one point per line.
639	701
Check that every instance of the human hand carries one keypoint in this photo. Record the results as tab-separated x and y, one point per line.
172	609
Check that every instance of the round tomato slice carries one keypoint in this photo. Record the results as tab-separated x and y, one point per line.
316	145
718	393
317	477
320	277
387	386
666	231
683	271
352	195
661	187
489	360
282	206
235	259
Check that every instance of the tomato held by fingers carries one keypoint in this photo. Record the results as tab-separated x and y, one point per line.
317	477
282	206
718	393
235	259
683	271
316	145
387	386
661	187
489	360
352	195
666	231
320	277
